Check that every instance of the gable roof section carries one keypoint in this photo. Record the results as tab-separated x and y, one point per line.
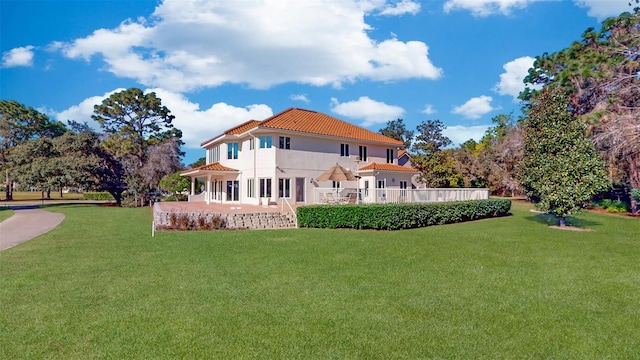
246	126
216	166
387	167
311	122
314	122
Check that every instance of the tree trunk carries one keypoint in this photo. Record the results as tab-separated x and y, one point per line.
9	187
61	192
117	195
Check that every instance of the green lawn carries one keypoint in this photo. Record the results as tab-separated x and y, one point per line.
5	213
37	195
99	286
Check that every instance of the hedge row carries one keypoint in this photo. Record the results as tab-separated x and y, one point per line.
97	196
399	216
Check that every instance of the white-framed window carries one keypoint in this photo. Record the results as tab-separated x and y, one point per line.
265	187
403	188
252	143
362	151
251	188
390	156
232	150
213	154
265	142
366	188
344	149
284	188
336	184
285	142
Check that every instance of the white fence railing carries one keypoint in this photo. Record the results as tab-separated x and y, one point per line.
374	196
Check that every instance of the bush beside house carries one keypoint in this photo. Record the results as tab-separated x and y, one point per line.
399	216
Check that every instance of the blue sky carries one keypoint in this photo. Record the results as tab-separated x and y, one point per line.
216	64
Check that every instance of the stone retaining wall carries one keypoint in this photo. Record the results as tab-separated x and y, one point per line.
263	220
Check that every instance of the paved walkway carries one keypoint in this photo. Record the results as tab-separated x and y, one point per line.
26	223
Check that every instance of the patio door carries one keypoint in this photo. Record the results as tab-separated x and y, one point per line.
300	190
233	191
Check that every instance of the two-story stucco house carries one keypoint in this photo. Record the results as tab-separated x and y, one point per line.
282	156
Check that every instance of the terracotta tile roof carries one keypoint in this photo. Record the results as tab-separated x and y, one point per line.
387	167
314	122
311	122
402	152
243	127
216	166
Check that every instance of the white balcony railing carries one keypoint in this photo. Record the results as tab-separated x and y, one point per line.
395	196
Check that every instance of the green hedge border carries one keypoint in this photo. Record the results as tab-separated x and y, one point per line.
399	216
102	195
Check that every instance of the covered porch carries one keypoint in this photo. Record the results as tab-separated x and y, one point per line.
220	184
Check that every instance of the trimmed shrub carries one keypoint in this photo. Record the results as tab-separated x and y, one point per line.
399	216
611	206
191	221
102	195
617	207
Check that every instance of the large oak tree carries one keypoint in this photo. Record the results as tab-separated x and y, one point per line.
18	125
139	129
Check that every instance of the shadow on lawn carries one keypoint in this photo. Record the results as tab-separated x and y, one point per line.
551	220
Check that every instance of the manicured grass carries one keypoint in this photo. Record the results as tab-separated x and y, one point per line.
37	195
5	213
99	286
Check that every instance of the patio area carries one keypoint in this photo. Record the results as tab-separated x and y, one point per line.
234	216
203	207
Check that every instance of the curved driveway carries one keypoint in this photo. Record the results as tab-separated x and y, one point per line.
26	223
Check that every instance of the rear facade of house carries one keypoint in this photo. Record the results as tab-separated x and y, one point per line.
279	158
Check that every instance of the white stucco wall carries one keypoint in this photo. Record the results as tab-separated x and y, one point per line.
308	157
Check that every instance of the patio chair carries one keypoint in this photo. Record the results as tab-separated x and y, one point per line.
331	199
352	199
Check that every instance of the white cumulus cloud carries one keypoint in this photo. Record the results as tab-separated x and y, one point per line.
483	8
475	107
401	8
300	97
198	124
512	79
195	123
459	134
602	9
191	45
82	112
368	110
20	56
428	109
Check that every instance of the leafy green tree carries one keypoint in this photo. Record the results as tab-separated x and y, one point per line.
600	72
560	169
70	160
397	130
139	130
491	161
437	167
133	118
176	185
201	161
18	125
